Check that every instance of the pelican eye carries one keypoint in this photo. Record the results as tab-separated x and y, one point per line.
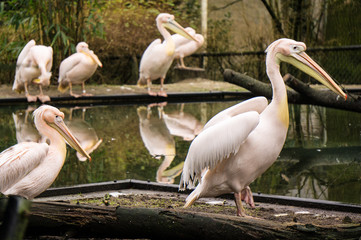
58	118
296	49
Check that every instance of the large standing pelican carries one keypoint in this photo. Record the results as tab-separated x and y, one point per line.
33	66
238	144
158	57
78	68
185	47
27	169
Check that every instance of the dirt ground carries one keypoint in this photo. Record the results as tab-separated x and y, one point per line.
189	85
273	212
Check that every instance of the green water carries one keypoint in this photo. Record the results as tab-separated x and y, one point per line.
321	158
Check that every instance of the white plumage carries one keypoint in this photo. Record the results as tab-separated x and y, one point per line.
240	143
28	168
33	67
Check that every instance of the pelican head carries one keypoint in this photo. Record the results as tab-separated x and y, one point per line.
293	52
83	47
167	20
47	116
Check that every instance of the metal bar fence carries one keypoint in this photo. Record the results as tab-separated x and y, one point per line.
342	63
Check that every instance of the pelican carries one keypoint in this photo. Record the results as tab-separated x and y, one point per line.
33	66
78	68
27	169
158	57
238	144
185	47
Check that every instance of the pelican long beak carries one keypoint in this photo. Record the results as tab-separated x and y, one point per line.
177	28
93	56
60	126
303	62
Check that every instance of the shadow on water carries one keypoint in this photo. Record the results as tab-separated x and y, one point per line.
321	157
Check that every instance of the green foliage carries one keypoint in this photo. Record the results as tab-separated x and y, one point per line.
59	24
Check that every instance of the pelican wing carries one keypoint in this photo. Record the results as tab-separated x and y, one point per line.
68	64
17	161
217	143
20	61
25	52
257	104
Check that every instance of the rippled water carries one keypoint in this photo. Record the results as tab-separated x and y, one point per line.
321	158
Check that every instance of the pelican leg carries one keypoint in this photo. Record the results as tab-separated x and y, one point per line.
162	92
182	63
71	91
240	210
29	97
149	84
43	98
247	196
84	92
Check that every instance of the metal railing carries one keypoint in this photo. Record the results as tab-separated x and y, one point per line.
342	63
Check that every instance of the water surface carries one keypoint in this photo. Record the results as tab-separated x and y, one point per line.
321	157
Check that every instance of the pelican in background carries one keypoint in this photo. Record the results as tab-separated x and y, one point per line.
159	56
33	66
238	144
185	47
78	68
27	169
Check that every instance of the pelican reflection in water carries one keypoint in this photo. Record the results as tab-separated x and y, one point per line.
83	132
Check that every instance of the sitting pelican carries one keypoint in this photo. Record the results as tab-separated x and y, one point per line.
238	144
27	169
78	68
158	57
185	47
33	66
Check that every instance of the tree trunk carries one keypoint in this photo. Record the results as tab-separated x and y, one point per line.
300	93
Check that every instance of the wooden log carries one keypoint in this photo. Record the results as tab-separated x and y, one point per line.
257	87
60	219
300	93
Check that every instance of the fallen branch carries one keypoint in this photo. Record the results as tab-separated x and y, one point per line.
300	93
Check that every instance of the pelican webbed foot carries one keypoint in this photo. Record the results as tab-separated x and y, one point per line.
86	94
44	98
31	98
246	195
162	93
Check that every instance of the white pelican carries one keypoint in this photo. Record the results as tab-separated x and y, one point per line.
185	47
238	144
78	68
158	57
33	66
27	169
